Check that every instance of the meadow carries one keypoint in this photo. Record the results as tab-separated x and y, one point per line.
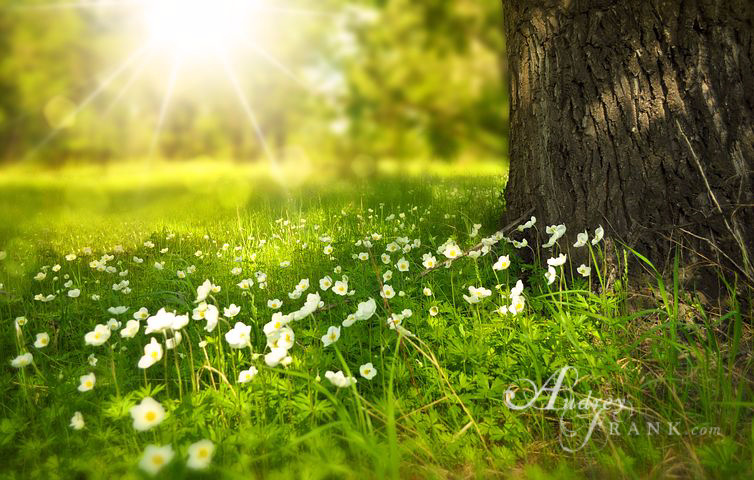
219	320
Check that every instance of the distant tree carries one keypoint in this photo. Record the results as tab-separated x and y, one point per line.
639	116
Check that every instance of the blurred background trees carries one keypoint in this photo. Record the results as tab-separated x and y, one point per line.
366	80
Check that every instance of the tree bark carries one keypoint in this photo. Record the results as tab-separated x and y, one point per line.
637	115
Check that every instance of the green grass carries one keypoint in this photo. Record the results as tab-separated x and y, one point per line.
436	407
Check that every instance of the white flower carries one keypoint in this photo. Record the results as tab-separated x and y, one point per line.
180	274
152	354
202	291
200	454
477	294
325	283
294	295
332	336
285	264
387	292
231	311
74	293
598	234
427	292
118	310
521	244
43	339
367	371
247	375
275	356
363	256
557	261
147	415
385	258
550	275
274	303
339	379
555	232
452	251
239	336
159	322
528	224
340	288
159	265
395	321
22	360
77	421
91	360
210	313
40	276
366	310
327	250
236	271
581	239
245	284
517	304
87	382
282	338
584	270
518	289
387	276
433	311
303	285
131	329
141	314
502	263
350	320
429	261
402	265
98	336
155	457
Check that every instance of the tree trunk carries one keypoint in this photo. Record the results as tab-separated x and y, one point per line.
637	115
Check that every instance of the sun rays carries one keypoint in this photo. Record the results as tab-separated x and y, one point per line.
201	32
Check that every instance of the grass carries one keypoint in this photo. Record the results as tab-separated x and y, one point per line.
435	409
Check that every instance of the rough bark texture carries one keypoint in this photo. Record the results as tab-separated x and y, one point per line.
637	115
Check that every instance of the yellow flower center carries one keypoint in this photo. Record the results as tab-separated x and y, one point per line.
96	336
158	460
203	453
154	354
150	416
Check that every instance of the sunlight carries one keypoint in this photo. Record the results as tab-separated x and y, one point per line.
197	27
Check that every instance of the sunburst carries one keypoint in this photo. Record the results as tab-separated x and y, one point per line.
186	31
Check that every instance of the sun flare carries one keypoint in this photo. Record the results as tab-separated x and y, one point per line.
198	27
